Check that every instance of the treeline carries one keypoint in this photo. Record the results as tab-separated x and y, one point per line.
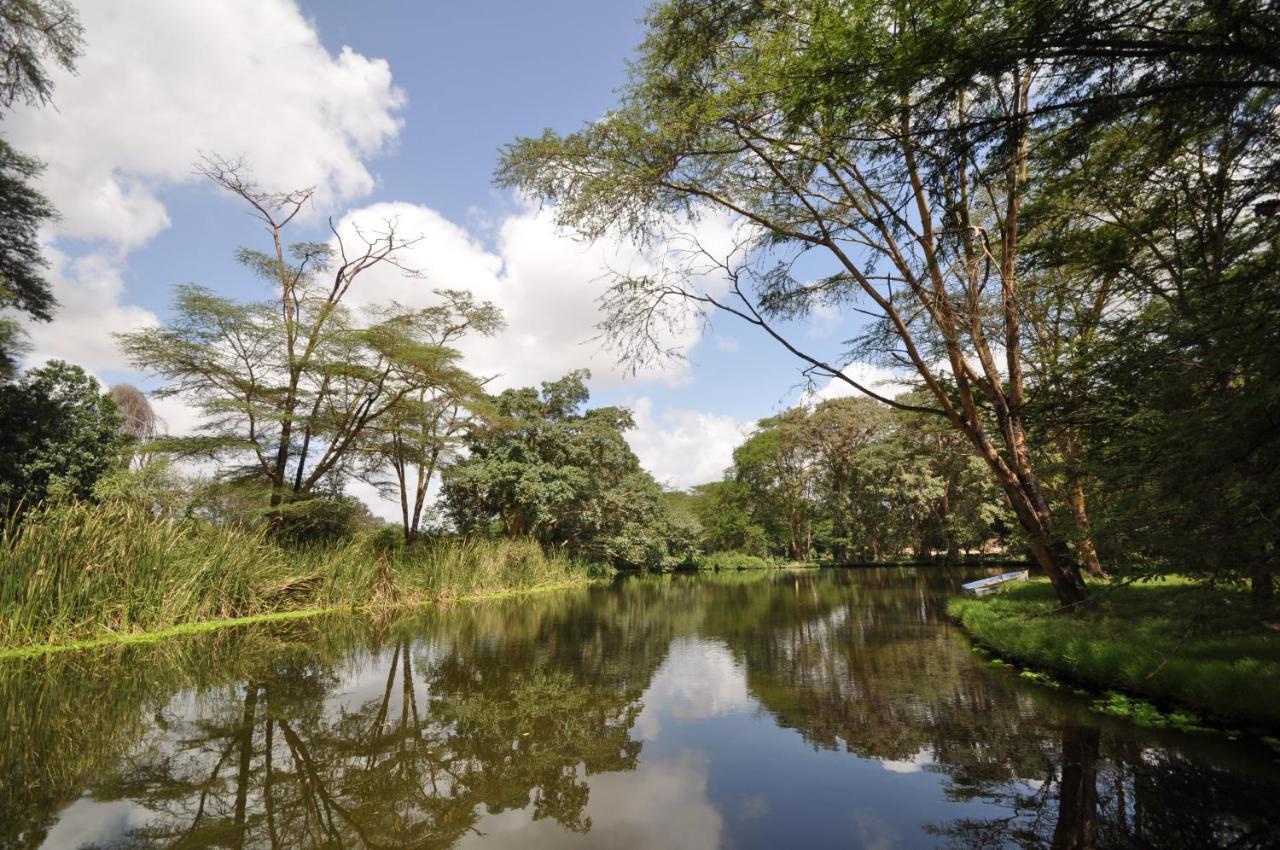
1061	222
851	479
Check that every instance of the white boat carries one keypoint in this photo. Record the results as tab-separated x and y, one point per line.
985	586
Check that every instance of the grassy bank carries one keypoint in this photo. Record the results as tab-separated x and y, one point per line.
1170	641
86	572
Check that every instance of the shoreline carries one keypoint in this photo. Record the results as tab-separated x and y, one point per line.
205	626
1220	677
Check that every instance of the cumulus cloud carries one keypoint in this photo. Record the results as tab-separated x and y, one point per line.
90	293
684	447
160	82
547	284
878	379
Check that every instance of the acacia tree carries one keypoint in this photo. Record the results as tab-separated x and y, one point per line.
834	127
291	387
424	431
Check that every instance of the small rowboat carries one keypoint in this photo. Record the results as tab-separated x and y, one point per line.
986	586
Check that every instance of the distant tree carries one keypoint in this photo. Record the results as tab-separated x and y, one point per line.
61	433
551	471
780	471
723	509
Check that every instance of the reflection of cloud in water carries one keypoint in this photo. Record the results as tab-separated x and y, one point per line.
88	822
874	832
915	764
753	808
698	680
662	803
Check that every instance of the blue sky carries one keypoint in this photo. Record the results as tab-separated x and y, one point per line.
396	106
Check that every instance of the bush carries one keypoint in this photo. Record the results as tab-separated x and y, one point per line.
733	561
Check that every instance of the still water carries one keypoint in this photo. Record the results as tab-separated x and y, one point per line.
736	710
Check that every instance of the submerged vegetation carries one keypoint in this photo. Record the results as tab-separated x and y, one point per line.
83	571
1169	640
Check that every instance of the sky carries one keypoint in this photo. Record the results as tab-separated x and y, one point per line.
390	109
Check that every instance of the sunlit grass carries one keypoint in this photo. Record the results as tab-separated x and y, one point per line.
83	571
1171	640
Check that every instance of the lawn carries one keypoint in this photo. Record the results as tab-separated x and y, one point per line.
1172	641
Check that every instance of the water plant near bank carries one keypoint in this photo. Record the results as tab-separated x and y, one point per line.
81	571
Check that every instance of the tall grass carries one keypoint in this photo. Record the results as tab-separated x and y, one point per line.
1172	641
82	570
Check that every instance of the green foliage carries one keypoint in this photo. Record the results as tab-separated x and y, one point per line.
23	288
1168	640
31	32
61	434
852	480
566	478
733	561
82	570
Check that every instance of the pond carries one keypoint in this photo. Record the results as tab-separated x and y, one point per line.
738	710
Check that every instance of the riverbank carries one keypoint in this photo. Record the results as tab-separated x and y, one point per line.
1172	641
87	575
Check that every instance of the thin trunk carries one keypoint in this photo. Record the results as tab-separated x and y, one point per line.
1262	588
1088	553
246	761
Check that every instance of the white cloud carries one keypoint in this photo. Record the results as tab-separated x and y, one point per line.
684	447
161	81
547	284
878	379
90	295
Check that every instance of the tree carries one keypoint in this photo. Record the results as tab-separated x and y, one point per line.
23	211
780	472
560	475
425	430
1183	405
834	128
31	32
61	434
292	387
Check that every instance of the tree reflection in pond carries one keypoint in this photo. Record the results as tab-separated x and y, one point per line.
691	711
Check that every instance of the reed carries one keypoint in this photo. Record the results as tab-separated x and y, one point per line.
81	571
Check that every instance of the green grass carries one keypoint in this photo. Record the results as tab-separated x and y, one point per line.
1171	641
89	573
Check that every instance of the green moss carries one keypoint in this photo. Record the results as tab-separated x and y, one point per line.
1172	642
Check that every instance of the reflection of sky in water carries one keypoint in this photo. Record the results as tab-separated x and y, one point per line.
724	761
717	772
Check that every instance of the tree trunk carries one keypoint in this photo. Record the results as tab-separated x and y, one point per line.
1262	588
1078	792
246	760
1079	512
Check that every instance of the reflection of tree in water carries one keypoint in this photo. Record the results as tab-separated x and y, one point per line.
873	669
512	706
516	709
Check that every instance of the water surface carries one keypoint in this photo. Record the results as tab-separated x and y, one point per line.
735	710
